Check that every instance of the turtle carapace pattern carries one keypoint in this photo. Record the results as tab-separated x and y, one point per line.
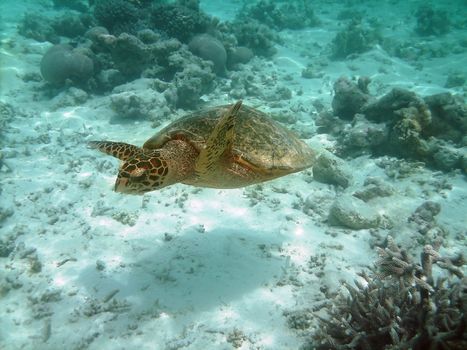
228	146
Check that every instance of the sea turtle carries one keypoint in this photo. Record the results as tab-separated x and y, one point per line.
227	146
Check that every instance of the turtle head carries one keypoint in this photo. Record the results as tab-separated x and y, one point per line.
145	170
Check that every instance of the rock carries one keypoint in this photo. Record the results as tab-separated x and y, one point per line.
364	135
353	213
69	97
137	100
447	158
331	170
374	187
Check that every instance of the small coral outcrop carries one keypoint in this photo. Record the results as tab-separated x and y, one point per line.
117	16
288	15
354	39
430	129
209	48
179	21
431	21
62	62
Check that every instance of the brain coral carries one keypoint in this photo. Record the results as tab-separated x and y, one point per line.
62	62
210	49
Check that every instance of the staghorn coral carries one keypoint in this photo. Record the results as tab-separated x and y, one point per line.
400	306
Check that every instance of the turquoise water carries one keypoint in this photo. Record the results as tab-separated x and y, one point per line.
359	246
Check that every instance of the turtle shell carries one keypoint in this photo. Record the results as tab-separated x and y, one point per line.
264	144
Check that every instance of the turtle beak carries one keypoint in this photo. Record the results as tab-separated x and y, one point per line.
121	185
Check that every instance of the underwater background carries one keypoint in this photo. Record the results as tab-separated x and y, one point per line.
364	250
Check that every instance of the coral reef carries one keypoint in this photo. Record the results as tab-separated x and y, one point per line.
179	21
400	305
62	62
354	39
455	79
255	36
431	22
38	27
400	123
117	16
288	15
349	97
71	25
191	84
78	5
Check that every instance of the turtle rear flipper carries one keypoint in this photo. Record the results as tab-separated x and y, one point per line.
220	140
120	150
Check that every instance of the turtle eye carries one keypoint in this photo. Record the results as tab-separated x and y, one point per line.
138	172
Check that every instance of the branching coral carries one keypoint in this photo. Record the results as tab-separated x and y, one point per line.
401	306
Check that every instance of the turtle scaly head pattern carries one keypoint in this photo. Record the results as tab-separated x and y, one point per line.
145	170
118	150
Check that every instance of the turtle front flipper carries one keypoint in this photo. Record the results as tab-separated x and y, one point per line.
120	150
220	141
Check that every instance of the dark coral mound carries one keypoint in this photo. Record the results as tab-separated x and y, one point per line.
256	36
117	16
61	63
400	305
288	15
179	21
210	49
431	21
78	5
38	27
353	39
